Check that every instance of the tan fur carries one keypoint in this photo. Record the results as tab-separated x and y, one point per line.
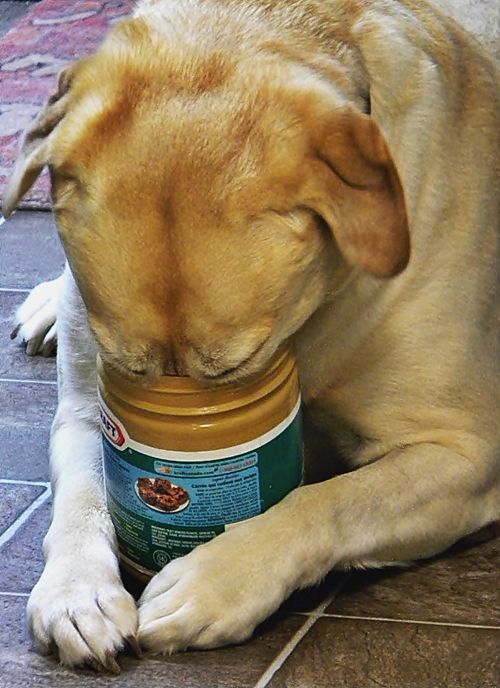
230	175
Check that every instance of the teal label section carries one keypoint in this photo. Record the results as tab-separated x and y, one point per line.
214	494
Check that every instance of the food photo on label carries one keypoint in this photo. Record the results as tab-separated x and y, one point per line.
162	494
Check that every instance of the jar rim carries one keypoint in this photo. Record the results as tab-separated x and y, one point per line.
209	396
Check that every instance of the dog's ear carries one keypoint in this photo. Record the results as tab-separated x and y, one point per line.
34	149
361	196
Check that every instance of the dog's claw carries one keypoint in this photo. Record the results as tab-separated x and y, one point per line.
94	664
14	332
110	664
133	647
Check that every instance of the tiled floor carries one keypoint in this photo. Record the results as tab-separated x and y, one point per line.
435	625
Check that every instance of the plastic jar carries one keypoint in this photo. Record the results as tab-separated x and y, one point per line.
183	461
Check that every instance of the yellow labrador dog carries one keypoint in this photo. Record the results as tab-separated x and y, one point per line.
231	174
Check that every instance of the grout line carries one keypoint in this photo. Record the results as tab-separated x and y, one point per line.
3	593
28	382
16	290
287	650
12	481
290	646
411	621
12	530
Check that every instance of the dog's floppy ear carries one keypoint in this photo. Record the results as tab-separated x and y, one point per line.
33	154
361	197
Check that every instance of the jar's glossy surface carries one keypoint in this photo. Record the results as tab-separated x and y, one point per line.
183	460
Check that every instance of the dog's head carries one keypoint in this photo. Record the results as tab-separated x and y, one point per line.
205	204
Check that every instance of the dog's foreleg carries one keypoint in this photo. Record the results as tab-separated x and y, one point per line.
79	603
410	504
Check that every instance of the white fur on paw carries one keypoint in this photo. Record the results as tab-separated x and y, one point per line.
35	319
214	596
84	611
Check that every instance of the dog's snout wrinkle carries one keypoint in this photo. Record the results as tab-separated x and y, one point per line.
214	367
140	372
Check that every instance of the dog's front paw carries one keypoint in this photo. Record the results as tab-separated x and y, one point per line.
214	596
82	611
36	318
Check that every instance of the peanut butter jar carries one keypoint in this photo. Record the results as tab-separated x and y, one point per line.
184	461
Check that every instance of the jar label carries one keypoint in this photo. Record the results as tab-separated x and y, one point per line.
164	503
